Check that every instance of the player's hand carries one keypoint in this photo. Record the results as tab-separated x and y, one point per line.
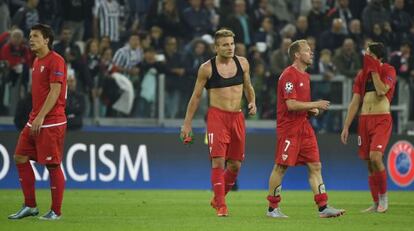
322	104
313	112
344	136
186	134
36	125
252	108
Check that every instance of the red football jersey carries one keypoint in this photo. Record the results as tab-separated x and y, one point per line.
387	76
47	70
292	84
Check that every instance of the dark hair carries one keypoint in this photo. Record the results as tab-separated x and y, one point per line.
46	31
377	49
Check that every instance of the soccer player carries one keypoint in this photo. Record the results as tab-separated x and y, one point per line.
225	76
374	89
42	138
296	140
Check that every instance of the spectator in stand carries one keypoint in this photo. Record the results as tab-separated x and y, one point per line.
343	12
383	34
213	13
288	31
267	36
50	13
333	38
302	28
27	16
355	32
322	90
91	59
74	14
157	38
279	59
65	45
18	58
5	19
75	104
317	19
347	60
148	82
174	78
259	12
128	57
169	20
196	19
239	22
403	61
313	69
374	13
280	9
107	20
401	21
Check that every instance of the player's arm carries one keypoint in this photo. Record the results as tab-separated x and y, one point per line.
352	111
248	87
49	103
203	73
295	105
380	87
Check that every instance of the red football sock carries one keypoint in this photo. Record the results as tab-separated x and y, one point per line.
57	186
217	181
229	179
321	199
27	182
381	179
274	201
373	186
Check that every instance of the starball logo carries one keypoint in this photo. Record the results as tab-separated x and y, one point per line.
400	163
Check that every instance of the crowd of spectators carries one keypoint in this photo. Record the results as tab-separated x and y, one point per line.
116	49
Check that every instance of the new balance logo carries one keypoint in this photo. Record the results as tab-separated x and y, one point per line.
379	146
284	157
48	158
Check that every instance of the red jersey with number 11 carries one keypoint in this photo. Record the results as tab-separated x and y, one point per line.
47	70
293	84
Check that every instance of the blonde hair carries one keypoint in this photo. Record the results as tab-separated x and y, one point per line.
295	47
222	33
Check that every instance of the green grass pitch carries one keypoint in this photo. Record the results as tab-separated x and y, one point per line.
161	210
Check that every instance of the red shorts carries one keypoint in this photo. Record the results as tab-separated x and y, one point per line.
226	134
374	132
45	148
297	148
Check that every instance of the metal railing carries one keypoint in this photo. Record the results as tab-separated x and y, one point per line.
160	120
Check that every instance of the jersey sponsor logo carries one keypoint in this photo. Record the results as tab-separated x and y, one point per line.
49	158
288	87
400	163
59	73
301	85
42	68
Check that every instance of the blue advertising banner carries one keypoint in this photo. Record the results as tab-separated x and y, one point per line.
157	160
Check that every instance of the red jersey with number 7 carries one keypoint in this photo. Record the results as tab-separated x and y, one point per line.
292	84
47	70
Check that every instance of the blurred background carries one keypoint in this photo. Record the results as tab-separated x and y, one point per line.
132	66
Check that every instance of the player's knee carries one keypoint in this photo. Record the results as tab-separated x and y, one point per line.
280	169
375	157
315	167
19	159
233	166
218	162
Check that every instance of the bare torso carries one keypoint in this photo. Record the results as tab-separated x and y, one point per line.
374	104
226	98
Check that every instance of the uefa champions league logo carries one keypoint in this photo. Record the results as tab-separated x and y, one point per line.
400	163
